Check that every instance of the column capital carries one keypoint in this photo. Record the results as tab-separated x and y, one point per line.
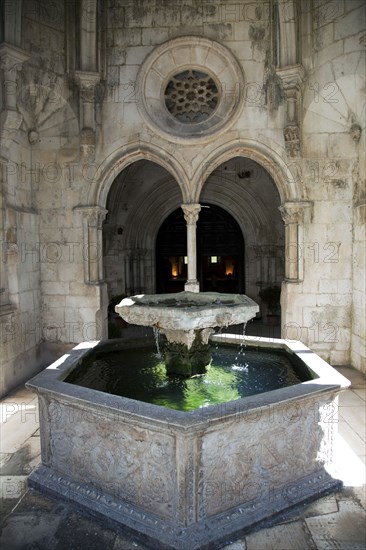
291	76
191	212
12	58
87	82
294	211
95	215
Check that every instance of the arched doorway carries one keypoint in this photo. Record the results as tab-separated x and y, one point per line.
220	252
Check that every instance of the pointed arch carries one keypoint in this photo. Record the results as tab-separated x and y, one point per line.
108	170
287	174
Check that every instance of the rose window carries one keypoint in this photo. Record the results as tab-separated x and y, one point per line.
191	96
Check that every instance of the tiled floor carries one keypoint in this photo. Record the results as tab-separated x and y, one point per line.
33	521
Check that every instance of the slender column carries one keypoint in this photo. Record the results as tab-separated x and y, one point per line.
191	212
293	216
93	217
88	35
87	82
4	286
88	77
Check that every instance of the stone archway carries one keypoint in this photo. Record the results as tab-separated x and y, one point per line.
189	190
141	196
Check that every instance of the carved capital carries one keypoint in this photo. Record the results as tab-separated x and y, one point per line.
12	59
87	82
291	76
291	134
293	212
95	215
191	212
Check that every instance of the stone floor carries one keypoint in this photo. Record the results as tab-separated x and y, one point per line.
33	521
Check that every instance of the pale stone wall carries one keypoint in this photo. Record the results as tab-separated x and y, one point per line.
76	121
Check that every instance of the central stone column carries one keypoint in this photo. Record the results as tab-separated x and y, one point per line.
191	212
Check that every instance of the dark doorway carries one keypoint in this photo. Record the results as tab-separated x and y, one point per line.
220	252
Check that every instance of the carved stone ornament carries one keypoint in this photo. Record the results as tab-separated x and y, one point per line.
292	78
12	59
33	137
191	212
87	144
292	213
292	140
296	211
355	132
87	82
190	88
94	215
191	96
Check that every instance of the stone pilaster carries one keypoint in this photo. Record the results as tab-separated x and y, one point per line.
5	306
293	215
87	82
93	217
191	212
11	62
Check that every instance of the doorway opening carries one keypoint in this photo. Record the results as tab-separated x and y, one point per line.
220	252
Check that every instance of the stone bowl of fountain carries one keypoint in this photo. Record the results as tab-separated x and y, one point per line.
186	479
187	319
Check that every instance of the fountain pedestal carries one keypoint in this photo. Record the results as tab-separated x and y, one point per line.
187	319
187	352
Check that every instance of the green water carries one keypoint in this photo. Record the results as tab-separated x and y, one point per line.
234	373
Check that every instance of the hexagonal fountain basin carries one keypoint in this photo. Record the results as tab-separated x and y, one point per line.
187	480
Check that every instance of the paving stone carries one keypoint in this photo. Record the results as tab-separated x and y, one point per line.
360	494
4	459
78	532
12	487
325	505
290	536
345	530
6	507
38	502
19	427
126	543
239	545
24	460
29	530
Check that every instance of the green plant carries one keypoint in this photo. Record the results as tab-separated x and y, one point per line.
271	297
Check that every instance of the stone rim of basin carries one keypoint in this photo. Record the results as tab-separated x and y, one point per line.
160	310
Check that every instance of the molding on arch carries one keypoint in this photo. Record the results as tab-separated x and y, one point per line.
286	174
120	158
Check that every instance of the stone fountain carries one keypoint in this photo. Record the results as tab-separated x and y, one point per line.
187	319
187	480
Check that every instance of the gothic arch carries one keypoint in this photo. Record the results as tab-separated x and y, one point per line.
286	174
106	171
